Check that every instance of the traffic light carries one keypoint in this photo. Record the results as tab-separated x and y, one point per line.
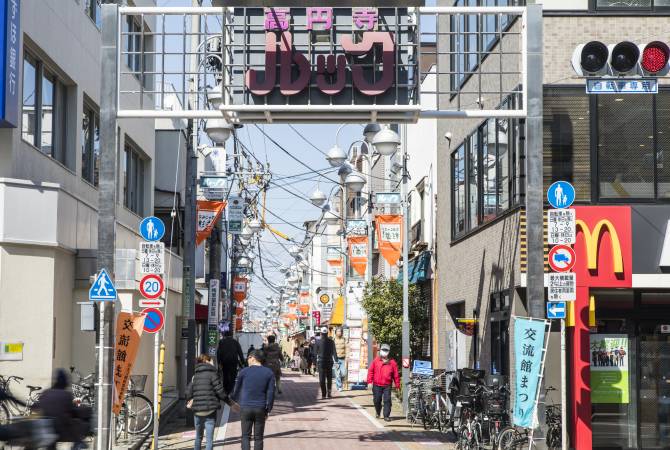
595	59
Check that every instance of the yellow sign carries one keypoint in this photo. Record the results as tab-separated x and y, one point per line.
324	298
592	239
11	351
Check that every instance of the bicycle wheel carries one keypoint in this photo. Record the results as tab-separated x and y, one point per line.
477	439
463	438
455	420
554	438
425	414
510	439
4	414
139	413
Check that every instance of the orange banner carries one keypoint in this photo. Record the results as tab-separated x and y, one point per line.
304	308
239	289
129	328
358	253
208	213
238	325
337	271
389	236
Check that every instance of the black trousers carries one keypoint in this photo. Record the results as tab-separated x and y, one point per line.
252	417
326	379
229	373
380	393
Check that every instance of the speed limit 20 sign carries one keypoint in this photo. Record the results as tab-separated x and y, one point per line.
152	286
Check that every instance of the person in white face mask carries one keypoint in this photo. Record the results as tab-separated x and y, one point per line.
383	374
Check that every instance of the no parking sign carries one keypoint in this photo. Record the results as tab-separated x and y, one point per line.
153	320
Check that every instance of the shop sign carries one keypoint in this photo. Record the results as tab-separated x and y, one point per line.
10	36
357	227
609	368
561	226
235	214
623	86
562	287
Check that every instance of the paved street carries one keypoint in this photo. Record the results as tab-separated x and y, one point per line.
300	421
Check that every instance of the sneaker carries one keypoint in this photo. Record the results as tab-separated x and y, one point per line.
387	419
330	395
377	416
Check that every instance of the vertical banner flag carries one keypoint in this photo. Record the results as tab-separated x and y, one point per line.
208	213
389	236
529	347
358	253
609	368
129	328
239	289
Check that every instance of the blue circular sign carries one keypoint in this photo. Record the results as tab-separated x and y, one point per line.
561	194
152	228
153	320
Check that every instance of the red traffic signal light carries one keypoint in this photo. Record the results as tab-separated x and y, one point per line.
655	57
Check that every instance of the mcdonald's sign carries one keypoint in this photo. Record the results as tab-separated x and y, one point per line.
604	246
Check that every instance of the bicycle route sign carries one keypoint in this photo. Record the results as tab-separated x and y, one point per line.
153	320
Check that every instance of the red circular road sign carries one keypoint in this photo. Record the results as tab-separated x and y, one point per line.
561	258
153	320
152	286
405	363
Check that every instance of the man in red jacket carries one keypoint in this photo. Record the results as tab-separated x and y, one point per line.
382	374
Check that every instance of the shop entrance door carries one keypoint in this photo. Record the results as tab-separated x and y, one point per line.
654	384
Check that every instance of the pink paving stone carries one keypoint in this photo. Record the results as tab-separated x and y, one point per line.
300	421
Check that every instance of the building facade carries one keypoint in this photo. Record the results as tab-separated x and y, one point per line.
612	149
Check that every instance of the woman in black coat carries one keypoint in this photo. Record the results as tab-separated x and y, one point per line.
205	394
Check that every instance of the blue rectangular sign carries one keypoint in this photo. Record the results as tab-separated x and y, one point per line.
556	310
422	367
622	86
10	37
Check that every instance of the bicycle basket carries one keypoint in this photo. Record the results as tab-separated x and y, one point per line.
137	383
494	405
471	374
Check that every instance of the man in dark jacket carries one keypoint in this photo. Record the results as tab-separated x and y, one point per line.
58	403
229	356
326	357
254	391
206	393
273	356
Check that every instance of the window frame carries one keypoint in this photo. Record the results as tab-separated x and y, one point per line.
133	177
594	8
91	6
59	113
88	148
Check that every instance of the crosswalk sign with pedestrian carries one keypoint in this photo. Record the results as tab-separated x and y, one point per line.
103	289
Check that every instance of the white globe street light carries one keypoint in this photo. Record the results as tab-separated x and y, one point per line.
318	198
294	250
246	232
336	156
386	142
370	131
330	217
215	96
345	169
218	130
355	182
243	262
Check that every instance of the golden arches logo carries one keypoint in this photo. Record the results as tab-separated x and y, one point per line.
592	238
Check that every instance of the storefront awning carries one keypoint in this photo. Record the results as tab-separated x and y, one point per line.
418	269
337	317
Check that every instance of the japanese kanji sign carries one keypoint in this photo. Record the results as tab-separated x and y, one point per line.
562	287
152	258
358	253
561	226
239	289
389	236
529	349
129	328
208	213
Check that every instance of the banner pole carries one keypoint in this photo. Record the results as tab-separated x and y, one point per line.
547	329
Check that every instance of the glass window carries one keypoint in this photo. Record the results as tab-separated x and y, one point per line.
473	182
489	169
663	143
90	145
626	146
472	39
567	139
94	11
29	117
133	183
623	4
458	190
504	184
47	113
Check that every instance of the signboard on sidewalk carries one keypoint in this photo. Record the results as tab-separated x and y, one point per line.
152	258
609	368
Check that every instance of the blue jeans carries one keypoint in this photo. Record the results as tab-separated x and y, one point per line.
208	423
340	372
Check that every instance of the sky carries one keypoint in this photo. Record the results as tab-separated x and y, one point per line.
291	211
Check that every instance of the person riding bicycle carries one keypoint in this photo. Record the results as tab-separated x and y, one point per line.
58	403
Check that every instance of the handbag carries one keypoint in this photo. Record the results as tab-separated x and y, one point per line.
189	404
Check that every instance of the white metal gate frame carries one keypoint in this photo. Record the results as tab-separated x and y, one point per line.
336	113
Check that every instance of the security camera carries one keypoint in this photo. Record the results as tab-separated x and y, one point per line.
448	136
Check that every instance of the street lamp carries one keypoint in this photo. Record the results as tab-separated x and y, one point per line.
355	182
336	156
215	96
318	198
370	131
255	225
246	232
294	251
243	262
218	130
386	142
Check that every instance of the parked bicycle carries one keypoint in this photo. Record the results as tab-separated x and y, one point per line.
137	411
11	408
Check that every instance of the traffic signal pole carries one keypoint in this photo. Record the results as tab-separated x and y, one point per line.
535	190
106	222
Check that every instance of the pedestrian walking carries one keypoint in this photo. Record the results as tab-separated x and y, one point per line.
230	358
254	391
383	373
312	354
297	359
325	360
305	361
58	403
341	364
273	360
204	395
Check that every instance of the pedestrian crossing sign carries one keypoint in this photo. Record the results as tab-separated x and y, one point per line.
103	289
